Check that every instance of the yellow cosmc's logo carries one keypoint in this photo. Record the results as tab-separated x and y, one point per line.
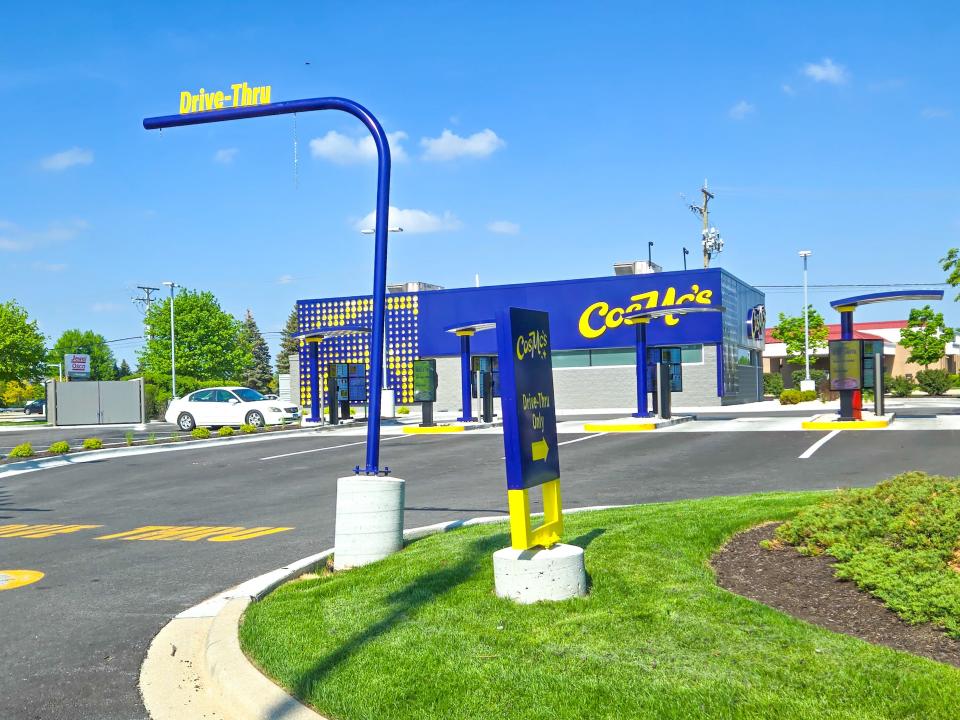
533	344
242	95
600	317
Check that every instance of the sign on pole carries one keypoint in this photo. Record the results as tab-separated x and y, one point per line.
529	424
76	365
846	370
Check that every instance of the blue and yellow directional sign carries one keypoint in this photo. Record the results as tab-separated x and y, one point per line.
529	424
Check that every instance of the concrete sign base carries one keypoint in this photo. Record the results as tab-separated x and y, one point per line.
369	523
529	576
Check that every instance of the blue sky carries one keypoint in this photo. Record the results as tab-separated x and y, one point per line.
534	141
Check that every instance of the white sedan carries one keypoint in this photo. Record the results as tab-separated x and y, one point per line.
228	406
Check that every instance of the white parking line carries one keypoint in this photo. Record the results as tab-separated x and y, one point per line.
818	444
579	439
332	447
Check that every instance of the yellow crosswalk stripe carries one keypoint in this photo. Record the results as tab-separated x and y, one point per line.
41	531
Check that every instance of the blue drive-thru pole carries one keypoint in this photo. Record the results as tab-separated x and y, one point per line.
465	394
642	410
315	389
380	230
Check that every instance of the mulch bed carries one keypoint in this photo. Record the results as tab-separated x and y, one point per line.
805	587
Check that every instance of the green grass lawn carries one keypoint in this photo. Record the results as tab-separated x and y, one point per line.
21	423
421	634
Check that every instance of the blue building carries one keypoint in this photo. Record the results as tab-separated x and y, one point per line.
594	355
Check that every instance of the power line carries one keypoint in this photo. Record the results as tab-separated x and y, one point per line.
145	301
851	285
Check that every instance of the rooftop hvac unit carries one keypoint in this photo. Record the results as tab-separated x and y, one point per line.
637	267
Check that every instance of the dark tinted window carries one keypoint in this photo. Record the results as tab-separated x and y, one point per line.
203	396
225	396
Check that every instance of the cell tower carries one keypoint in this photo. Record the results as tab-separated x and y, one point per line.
711	240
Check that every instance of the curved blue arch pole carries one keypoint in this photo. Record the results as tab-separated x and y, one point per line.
380	231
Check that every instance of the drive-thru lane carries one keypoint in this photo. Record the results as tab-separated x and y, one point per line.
74	640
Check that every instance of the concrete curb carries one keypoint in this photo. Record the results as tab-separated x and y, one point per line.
820	422
25	466
636	425
196	668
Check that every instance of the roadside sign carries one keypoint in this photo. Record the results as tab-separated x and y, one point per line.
424	380
76	365
846	369
526	389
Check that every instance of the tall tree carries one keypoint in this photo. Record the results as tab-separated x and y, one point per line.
789	331
951	265
85	342
22	345
288	345
210	343
258	374
925	336
124	370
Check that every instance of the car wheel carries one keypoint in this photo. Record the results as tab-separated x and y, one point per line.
186	422
255	418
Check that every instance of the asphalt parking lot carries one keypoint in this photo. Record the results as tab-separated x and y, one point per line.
127	543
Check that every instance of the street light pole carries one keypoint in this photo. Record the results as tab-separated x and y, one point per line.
685	253
806	317
650	252
173	344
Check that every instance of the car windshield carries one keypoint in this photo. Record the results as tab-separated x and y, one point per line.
248	395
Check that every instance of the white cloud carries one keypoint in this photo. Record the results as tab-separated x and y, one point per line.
14	238
346	150
826	71
741	110
503	227
413	221
450	146
225	156
50	267
788	89
933	113
284	279
67	159
101	307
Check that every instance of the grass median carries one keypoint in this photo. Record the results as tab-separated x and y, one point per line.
421	634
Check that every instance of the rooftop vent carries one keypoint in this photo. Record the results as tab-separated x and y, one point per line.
410	287
637	267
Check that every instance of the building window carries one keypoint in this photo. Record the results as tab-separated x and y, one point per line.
689	355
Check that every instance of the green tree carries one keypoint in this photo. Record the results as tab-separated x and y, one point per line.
288	345
925	336
124	370
951	265
22	346
789	331
85	342
259	373
211	345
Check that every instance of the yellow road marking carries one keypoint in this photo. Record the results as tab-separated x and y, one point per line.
41	531
10	579
192	533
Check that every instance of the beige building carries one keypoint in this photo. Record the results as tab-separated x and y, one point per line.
894	360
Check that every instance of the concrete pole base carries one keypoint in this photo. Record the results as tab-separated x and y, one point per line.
806	385
529	576
369	523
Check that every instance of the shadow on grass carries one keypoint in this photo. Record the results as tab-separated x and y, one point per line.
416	594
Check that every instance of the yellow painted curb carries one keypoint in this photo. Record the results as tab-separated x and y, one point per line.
624	427
416	430
845	425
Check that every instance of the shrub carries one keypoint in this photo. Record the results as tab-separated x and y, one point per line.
128	437
22	451
816	375
772	384
403	410
175	436
934	382
900	386
152	439
61	447
200	433
790	397
225	431
955	380
247	429
808	395
92	444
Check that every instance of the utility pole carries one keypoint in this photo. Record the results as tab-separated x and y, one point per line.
173	344
147	298
806	319
711	237
685	253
